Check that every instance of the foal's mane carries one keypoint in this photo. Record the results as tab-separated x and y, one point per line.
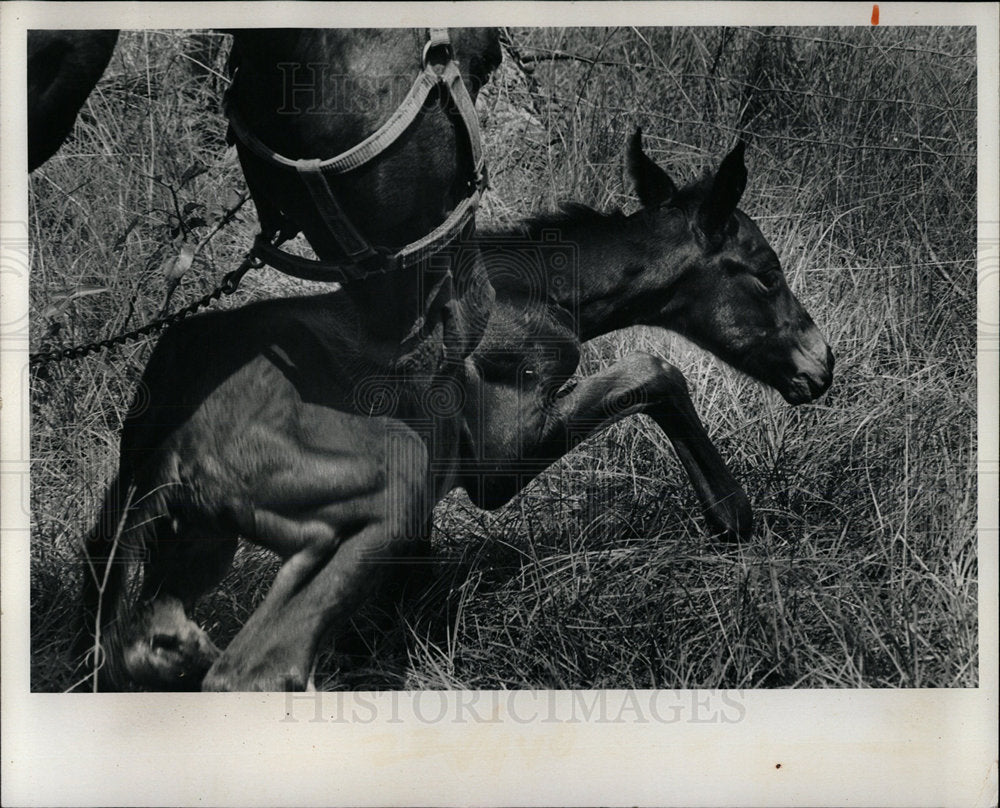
576	214
570	213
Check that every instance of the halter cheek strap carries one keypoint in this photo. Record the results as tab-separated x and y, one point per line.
361	258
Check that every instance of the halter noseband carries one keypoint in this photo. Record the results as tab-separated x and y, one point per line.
362	259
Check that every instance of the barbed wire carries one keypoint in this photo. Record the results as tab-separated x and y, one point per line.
229	284
857	45
817	141
777	35
746	85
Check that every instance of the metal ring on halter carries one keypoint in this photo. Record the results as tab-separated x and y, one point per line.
437	38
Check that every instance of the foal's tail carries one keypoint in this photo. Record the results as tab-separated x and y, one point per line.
112	556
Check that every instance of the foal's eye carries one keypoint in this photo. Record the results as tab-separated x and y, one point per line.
769	281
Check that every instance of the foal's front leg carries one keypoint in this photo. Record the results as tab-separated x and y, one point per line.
643	384
646	384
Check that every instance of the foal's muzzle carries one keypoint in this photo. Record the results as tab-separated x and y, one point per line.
814	373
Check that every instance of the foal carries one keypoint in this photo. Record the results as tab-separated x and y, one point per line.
274	423
688	261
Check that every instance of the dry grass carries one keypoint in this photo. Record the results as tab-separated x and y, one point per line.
862	174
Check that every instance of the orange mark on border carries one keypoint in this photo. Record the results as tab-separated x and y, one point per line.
875	14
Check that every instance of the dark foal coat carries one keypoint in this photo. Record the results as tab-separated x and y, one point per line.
409	331
277	424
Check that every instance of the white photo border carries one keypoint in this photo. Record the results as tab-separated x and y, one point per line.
906	747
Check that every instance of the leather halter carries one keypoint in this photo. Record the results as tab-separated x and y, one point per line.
362	258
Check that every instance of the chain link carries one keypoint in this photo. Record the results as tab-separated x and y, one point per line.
230	283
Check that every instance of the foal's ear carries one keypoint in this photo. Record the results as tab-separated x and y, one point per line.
727	188
651	182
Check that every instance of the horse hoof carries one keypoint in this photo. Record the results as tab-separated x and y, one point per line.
220	680
731	520
171	660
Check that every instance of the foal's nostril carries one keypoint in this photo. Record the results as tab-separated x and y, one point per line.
166	642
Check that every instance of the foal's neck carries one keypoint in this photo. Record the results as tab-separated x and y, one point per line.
388	305
623	271
399	311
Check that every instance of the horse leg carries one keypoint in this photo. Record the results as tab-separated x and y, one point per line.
166	649
334	564
637	384
724	502
316	591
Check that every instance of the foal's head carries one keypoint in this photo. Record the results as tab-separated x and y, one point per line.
727	291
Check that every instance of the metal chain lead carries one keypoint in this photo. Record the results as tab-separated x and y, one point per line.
230	283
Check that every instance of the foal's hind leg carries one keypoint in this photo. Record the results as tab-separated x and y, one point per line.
167	649
374	507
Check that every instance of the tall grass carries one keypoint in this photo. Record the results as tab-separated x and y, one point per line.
863	569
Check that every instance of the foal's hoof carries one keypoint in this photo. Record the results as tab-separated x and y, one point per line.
217	680
169	651
171	661
731	519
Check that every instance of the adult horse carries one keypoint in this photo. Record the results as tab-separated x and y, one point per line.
378	169
368	115
63	67
277	424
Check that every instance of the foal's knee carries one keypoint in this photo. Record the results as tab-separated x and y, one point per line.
657	377
669	378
